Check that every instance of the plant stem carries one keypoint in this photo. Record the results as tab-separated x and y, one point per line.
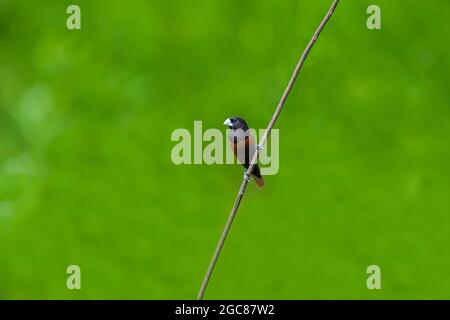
261	143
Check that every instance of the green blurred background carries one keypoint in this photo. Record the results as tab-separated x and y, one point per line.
86	176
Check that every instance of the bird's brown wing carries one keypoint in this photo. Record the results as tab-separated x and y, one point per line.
244	149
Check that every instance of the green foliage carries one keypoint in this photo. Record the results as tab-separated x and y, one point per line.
86	176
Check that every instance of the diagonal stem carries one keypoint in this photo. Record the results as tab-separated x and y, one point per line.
277	112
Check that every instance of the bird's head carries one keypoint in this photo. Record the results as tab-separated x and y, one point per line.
236	123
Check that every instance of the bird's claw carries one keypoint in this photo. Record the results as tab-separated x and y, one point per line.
247	177
259	147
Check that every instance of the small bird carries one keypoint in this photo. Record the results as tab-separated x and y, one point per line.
244	147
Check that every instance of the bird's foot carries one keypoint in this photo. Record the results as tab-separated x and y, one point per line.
259	147
247	177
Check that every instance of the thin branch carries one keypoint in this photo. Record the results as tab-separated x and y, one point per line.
261	143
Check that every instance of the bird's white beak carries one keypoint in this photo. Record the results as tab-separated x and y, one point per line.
228	123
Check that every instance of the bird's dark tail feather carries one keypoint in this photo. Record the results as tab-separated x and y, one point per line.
259	181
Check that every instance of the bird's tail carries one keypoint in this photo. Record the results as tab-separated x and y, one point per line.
259	181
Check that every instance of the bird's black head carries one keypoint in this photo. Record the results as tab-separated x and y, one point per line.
236	123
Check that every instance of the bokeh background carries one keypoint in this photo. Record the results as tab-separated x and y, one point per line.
86	176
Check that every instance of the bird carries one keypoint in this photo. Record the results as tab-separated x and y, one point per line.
244	147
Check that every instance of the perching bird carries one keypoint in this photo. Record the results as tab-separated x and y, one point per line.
243	146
